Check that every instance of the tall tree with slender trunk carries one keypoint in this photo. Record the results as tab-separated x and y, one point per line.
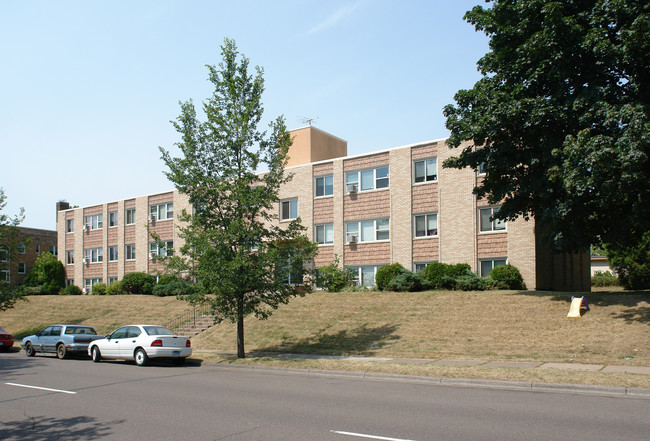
245	262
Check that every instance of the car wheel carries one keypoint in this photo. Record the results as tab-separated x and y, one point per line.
61	352
29	349
179	361
96	355
140	357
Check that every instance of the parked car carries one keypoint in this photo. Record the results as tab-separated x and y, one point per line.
61	339
6	340
140	343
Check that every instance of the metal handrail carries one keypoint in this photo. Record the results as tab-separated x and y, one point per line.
189	318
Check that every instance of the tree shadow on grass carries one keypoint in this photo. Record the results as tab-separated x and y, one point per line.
48	428
362	341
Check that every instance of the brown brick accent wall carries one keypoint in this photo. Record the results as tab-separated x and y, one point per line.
369	161
425	151
426	250
323	169
325	256
425	198
367	253
324	210
366	205
492	245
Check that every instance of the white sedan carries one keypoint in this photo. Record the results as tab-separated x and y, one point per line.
140	343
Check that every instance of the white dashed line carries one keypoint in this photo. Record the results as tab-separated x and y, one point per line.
362	435
41	388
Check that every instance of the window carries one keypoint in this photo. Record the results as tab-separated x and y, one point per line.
21	248
69	225
94	221
324	186
363	275
486	265
69	257
52	250
482	169
161	212
420	266
487	225
129	213
38	248
88	284
112	279
5	276
112	219
93	255
130	251
69	282
289	209
372	179
325	234
162	249
426	225
291	271
425	170
4	253
368	231
21	268
112	253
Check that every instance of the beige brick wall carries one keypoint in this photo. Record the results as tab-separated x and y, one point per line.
493	245
521	249
401	235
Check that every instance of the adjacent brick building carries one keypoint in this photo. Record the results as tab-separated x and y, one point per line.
395	205
31	243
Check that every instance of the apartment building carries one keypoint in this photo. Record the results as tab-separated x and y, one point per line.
31	243
394	205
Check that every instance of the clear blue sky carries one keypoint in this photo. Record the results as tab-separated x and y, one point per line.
87	88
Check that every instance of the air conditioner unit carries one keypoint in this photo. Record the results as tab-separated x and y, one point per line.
351	188
152	218
87	227
153	256
353	238
85	260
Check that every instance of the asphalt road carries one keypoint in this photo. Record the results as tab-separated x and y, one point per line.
118	400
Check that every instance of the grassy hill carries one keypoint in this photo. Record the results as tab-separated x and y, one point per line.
490	326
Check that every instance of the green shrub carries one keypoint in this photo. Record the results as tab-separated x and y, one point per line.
138	283
115	288
167	278
433	272
458	270
47	273
176	288
333	278
408	281
632	264
99	289
507	277
606	278
386	273
467	282
71	290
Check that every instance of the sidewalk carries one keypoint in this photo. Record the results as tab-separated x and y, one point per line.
643	370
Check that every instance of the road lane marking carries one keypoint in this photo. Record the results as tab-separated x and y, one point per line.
41	388
362	435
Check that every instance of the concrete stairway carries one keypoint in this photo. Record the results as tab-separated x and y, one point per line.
196	326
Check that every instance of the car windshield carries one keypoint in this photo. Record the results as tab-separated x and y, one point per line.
80	330
3	331
157	330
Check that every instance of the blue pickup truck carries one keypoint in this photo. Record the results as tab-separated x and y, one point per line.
60	339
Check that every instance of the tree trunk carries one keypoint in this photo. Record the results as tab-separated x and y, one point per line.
240	330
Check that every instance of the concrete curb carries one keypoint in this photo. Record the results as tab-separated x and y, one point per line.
615	391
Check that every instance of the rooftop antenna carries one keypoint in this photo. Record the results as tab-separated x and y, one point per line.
307	120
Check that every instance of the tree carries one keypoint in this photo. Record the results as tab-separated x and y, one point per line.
47	273
245	263
10	237
560	117
632	264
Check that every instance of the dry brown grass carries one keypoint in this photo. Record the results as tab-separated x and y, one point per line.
104	313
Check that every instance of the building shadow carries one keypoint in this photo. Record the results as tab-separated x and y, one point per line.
48	428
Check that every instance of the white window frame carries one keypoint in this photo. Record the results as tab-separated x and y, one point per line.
69	225
161	249
24	267
425	164
425	263
496	225
357	272
379	225
290	202
5	275
69	257
96	221
38	248
4	254
88	283
112	219
129	216
324	228
490	260
21	248
436	231
52	249
94	255
161	212
482	169
112	253
324	179
357	177
112	279
129	251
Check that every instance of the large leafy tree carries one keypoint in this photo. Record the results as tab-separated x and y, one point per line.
560	117
10	237
232	244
